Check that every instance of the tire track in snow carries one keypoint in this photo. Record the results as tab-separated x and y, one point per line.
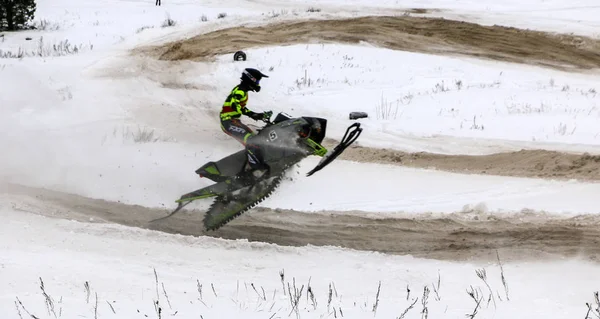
524	163
415	34
457	236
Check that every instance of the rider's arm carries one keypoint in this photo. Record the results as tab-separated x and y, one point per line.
252	115
236	101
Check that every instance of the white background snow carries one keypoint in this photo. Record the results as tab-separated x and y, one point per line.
70	123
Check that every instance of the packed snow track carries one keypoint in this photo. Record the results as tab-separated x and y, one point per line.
468	235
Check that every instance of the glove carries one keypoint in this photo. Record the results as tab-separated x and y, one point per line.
267	115
260	116
255	116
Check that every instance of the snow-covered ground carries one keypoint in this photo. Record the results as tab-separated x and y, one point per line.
109	24
380	188
580	17
129	132
107	125
425	95
118	265
152	178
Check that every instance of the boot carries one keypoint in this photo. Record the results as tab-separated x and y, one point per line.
256	165
253	170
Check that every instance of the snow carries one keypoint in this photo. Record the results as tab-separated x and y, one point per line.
425	95
112	23
154	176
72	137
118	263
430	96
109	24
392	189
77	134
74	123
579	17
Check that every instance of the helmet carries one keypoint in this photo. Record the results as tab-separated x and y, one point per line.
251	77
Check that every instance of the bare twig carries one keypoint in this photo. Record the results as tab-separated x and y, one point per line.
502	275
86	285
295	300
475	296
409	308
166	296
587	315
291	299
596	311
384	109
334	289
213	289
27	311
156	303
96	306
158	309
309	293
407	292
156	283
18	310
257	293
199	285
481	273
597	299
376	300
425	311
437	289
282	276
111	307
49	300
312	297
329	297
308	288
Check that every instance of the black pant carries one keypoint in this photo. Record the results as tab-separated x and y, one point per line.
240	132
236	129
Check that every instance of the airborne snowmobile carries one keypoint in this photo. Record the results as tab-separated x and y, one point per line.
282	143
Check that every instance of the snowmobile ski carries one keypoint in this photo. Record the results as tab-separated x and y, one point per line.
179	207
347	140
192	196
185	200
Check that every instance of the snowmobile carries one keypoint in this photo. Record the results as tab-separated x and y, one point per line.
281	143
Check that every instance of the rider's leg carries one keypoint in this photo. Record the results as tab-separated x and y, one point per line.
255	155
242	133
236	129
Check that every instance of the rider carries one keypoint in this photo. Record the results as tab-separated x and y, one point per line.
235	106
